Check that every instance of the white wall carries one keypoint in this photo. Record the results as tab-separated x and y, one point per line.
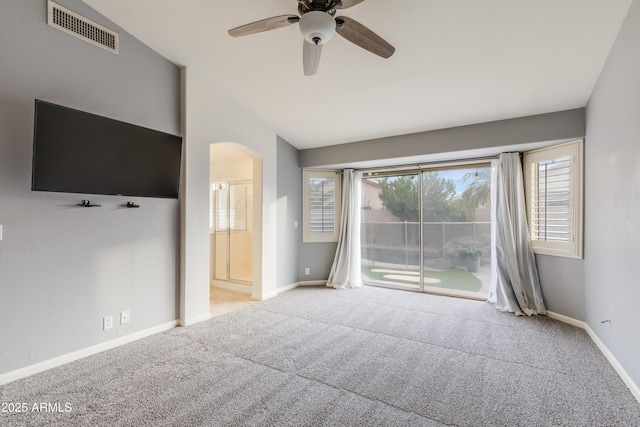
612	199
62	268
211	117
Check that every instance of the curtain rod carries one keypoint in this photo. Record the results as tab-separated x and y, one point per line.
424	165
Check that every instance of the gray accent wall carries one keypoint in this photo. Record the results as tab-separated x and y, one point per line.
612	213
562	281
289	213
318	257
62	267
503	134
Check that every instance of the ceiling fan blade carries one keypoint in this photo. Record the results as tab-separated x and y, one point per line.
358	34
311	57
264	25
349	3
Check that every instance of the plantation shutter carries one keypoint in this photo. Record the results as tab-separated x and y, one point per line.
550	207
322	205
554	190
220	199
322	194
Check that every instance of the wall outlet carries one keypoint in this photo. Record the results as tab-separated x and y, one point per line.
307	271
107	322
124	317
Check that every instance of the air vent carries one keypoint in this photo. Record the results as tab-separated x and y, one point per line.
81	27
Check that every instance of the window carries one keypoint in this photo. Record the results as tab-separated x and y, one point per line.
228	206
321	206
554	189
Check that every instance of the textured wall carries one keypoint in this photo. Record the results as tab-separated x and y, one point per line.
62	268
612	185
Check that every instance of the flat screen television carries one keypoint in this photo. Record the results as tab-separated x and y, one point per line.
79	152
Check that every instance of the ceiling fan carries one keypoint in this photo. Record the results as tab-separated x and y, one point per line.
318	23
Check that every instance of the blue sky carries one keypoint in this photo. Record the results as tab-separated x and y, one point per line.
457	176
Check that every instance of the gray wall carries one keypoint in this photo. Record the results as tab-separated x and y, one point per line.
562	296
62	268
289	213
318	257
562	281
612	225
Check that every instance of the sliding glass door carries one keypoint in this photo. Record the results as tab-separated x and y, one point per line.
390	230
429	230
456	230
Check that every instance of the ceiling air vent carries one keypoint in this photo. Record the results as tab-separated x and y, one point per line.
81	27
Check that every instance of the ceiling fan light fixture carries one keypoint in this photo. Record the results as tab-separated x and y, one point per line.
317	27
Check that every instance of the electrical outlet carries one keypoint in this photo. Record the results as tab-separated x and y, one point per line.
107	322
307	271
124	317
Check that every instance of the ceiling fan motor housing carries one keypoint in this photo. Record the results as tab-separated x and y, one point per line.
317	27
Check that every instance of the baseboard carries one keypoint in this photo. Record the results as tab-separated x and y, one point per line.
230	286
193	320
633	387
287	287
313	283
635	390
305	283
80	354
566	319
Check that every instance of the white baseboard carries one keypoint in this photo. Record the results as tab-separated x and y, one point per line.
269	295
193	320
313	283
635	390
305	283
633	387
287	287
566	319
80	354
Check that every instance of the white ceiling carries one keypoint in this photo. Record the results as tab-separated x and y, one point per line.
457	62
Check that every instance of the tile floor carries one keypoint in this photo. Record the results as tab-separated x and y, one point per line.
224	301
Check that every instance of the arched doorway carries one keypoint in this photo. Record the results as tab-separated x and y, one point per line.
234	217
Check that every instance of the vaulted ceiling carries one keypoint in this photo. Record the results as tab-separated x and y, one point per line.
456	62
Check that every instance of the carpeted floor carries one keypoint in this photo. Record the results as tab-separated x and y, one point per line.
321	357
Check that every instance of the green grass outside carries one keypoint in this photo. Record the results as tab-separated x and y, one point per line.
450	279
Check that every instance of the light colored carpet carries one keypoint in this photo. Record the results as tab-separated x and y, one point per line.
322	357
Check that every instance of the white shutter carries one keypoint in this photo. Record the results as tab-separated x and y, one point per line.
550	213
321	206
554	199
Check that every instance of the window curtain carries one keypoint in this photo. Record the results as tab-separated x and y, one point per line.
515	285
345	272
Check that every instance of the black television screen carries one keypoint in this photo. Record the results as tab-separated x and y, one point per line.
79	152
